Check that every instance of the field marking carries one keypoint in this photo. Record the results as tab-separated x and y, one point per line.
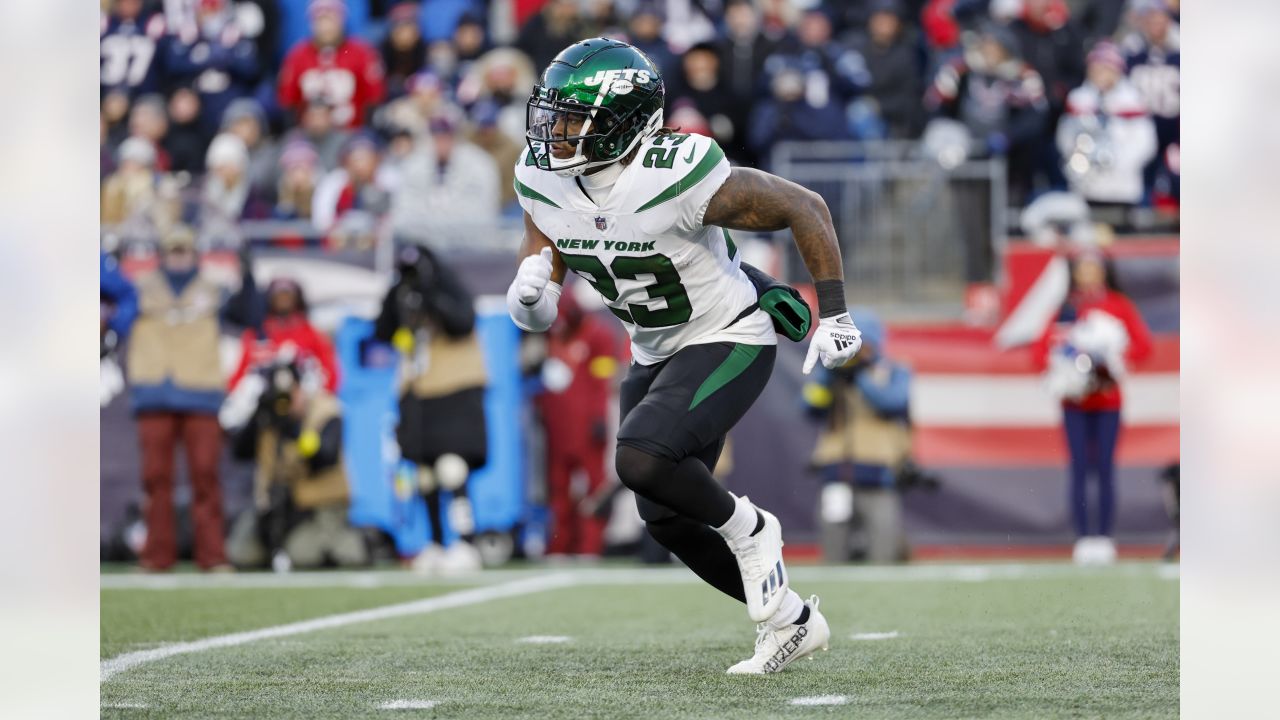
874	635
630	575
544	639
408	705
125	706
540	583
819	700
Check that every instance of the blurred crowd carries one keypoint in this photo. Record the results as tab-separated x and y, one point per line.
343	113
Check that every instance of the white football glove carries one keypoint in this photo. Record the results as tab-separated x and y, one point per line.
836	341
532	276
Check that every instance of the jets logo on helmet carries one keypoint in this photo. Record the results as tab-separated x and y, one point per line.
594	104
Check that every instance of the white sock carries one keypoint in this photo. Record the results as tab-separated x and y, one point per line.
741	522
788	612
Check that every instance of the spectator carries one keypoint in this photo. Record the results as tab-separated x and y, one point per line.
226	196
404	52
412	113
318	130
331	68
894	64
468	43
298	178
832	74
582	360
699	84
176	381
132	189
1087	347
295	20
149	120
1106	135
556	27
743	51
301	496
447	183
644	31
216	58
186	140
789	115
285	327
506	77
1155	70
246	120
118	307
429	317
1100	19
999	98
349	201
440	18
504	151
115	113
130	44
1052	44
865	439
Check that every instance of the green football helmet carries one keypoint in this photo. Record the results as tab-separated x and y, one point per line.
602	97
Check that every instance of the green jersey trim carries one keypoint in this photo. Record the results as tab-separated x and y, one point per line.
532	194
728	241
695	176
740	358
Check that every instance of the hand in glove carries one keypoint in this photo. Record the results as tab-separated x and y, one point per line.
835	341
532	276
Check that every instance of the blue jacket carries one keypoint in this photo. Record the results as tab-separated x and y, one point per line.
116	289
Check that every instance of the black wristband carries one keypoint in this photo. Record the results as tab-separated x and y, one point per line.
830	298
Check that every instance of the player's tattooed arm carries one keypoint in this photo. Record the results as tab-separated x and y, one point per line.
755	200
534	241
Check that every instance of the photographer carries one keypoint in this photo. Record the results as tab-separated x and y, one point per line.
293	433
865	440
428	316
1085	351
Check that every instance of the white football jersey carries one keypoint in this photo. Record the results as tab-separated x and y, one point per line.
672	281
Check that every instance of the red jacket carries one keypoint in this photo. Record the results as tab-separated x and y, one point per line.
1106	397
348	78
310	344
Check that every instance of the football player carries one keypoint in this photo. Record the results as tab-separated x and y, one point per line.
643	214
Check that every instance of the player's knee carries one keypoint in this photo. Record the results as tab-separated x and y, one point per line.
641	472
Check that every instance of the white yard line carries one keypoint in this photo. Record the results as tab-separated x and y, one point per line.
408	705
820	700
538	583
544	639
874	635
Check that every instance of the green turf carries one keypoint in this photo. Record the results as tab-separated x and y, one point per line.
1072	644
140	619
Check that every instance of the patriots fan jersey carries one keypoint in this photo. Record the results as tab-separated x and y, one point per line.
670	279
129	54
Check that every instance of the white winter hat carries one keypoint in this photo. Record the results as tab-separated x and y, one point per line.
138	150
227	149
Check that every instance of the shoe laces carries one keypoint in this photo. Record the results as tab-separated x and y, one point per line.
747	549
762	633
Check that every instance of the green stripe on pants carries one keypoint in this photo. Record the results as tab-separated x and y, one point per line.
739	359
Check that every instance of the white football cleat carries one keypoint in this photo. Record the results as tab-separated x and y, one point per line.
460	558
776	649
764	578
428	561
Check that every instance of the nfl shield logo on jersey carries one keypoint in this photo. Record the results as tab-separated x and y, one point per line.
601	224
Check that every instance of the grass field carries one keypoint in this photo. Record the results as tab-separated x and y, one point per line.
996	641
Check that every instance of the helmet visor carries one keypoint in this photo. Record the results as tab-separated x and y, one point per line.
555	128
